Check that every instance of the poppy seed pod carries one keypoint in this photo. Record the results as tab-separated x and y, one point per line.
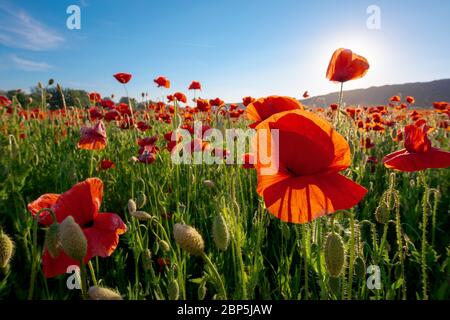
188	239
132	207
6	249
334	254
99	293
201	291
221	235
52	240
173	290
72	239
141	215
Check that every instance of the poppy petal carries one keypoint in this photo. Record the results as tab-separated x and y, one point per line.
303	199
45	201
263	108
82	201
404	161
103	236
53	267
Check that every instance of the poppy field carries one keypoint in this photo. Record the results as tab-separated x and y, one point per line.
94	205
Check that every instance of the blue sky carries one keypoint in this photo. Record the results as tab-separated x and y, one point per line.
233	47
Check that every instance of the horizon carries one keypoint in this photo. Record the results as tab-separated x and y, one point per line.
267	58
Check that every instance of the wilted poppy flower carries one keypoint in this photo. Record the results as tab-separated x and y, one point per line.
123	77
247	100
93	138
180	97
82	202
410	99
418	153
195	85
263	108
106	164
305	94
346	65
162	82
307	183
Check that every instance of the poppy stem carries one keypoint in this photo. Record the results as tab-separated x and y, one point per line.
424	244
83	280
341	94
216	275
91	269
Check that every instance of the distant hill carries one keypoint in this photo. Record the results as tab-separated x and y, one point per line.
425	94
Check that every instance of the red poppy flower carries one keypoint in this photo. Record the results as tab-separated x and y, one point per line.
247	100
112	115
95	97
395	99
217	102
418	153
310	155
195	85
346	65
410	100
106	103
333	106
82	202
263	108
162	82
95	114
143	126
93	138
305	94
203	105
123	77
440	105
106	164
180	97
4	101
148	144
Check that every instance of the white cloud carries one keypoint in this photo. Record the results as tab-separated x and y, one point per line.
29	65
18	29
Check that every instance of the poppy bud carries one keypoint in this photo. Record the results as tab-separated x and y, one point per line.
142	215
188	239
208	183
334	254
39	85
52	240
360	267
131	206
201	291
141	200
382	213
72	239
147	259
164	246
6	249
30	100
334	284
221	235
173	290
99	293
51	82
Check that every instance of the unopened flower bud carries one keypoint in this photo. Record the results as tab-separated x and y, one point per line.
99	293
72	239
188	239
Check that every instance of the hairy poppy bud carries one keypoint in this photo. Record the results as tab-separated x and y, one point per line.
334	254
141	215
99	293
208	183
6	249
141	200
382	213
131	206
334	284
164	246
360	267
72	239
221	235
51	82
173	290
201	291
188	239
147	259
52	240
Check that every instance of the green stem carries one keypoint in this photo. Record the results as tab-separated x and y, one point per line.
216	275
91	269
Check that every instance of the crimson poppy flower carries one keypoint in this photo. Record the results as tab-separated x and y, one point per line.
123	77
217	102
95	97
346	65
180	97
93	138
147	156
440	106
305	94
107	103
82	202
247	100
147	143
143	126
4	101
395	99
263	108
410	100
333	106
106	164
170	97
95	114
307	183
112	115
203	105
418	153
195	85
162	82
